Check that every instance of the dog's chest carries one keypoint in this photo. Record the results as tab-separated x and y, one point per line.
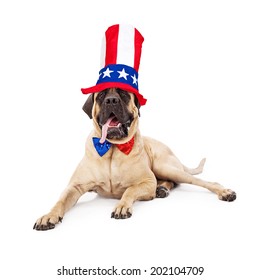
114	178
119	177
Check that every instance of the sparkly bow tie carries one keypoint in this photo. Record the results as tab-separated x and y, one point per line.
126	148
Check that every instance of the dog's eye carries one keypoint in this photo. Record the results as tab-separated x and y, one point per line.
125	96
101	96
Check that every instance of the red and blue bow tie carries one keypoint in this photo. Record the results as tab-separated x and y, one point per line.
125	148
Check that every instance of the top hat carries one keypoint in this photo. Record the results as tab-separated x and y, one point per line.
120	59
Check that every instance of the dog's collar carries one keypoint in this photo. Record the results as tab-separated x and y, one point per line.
125	148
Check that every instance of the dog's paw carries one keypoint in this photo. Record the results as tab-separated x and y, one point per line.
227	195
162	192
47	222
121	212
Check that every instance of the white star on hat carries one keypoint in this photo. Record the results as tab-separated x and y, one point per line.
123	74
134	79
107	73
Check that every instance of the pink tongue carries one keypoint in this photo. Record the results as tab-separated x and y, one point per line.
104	130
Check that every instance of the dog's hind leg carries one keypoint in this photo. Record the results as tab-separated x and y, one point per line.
171	173
163	188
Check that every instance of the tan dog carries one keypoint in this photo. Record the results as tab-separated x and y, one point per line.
143	170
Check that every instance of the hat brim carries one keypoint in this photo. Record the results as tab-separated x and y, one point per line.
103	86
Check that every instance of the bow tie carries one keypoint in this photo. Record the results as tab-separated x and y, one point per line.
126	148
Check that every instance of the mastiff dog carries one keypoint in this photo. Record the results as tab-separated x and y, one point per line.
120	163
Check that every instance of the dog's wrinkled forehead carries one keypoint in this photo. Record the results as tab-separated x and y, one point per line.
113	94
110	95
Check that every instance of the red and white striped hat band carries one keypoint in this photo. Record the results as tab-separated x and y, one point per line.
120	59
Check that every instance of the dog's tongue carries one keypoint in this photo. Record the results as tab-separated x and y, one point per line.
109	122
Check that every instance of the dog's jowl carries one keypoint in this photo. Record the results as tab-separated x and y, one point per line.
119	162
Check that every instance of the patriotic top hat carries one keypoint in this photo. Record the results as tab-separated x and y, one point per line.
120	59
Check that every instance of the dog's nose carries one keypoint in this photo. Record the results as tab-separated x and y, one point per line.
112	100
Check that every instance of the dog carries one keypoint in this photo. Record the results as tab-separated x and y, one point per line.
126	166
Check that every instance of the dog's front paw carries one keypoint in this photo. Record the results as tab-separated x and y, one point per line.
227	195
122	211
47	222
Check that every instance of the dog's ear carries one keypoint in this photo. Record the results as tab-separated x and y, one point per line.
87	107
137	104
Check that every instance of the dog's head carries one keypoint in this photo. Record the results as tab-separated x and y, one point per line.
115	114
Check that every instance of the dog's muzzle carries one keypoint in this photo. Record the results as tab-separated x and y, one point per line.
114	118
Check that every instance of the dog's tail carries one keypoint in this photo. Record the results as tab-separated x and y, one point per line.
197	170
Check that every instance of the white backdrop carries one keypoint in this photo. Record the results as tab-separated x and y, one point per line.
200	73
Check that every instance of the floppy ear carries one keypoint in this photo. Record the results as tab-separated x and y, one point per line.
87	107
137	104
